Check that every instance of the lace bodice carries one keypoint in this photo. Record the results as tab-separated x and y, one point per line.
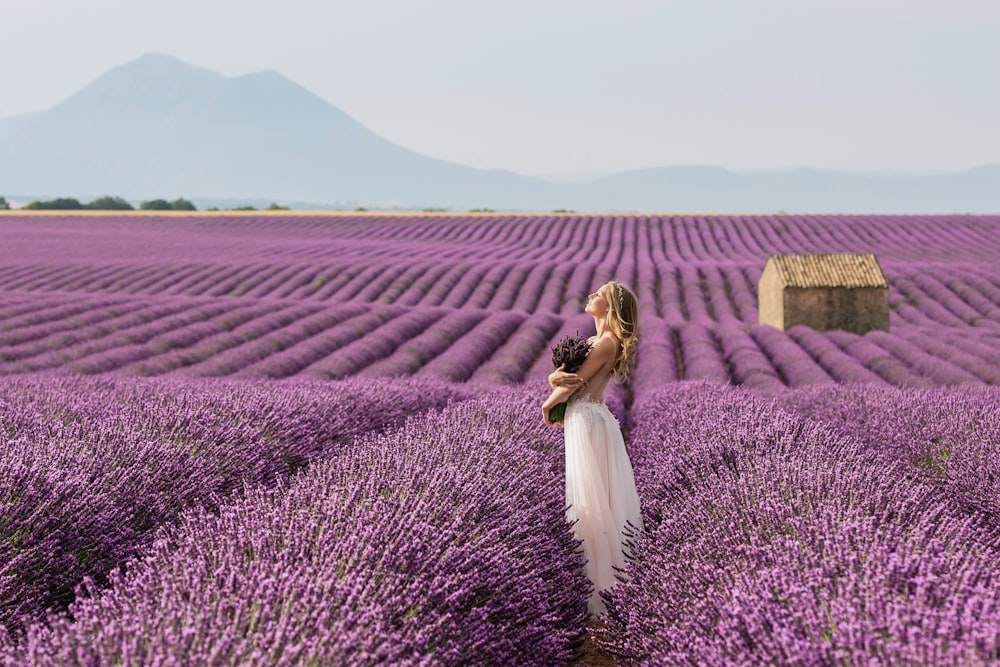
583	396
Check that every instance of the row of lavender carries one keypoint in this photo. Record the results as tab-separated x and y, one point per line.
225	335
249	338
265	339
854	525
89	467
963	295
442	541
500	262
662	239
764	357
686	292
828	526
673	239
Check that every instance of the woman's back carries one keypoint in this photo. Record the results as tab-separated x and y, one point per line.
596	387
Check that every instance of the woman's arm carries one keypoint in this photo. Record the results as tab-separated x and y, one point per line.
597	358
560	378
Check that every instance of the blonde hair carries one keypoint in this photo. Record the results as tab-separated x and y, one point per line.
623	321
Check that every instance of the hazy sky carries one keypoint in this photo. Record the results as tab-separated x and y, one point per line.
574	86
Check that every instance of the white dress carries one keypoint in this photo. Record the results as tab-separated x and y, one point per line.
600	491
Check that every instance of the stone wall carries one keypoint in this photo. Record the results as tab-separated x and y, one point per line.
858	309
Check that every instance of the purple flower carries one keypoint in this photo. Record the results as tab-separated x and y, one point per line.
570	353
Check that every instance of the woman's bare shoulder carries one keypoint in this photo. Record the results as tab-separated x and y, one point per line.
605	344
607	339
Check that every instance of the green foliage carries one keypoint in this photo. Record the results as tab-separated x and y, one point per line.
59	204
181	204
934	463
248	207
275	207
109	203
434	209
4	206
482	210
361	208
563	210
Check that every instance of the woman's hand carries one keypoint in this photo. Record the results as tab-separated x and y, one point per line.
547	417
560	378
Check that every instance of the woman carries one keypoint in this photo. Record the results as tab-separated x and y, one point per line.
600	487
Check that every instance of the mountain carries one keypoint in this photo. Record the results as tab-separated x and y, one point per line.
800	190
158	127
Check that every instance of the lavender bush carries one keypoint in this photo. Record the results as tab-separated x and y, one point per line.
776	540
946	437
433	544
89	467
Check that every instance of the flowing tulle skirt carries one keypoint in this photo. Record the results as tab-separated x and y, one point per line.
600	491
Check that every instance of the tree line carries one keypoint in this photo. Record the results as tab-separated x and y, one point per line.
109	203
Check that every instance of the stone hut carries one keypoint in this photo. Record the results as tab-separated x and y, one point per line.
842	291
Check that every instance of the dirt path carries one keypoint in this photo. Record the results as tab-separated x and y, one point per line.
590	653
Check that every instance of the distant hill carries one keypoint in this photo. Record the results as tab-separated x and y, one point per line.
802	190
158	127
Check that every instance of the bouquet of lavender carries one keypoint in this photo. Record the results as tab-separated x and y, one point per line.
569	353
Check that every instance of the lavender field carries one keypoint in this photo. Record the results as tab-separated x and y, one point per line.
315	439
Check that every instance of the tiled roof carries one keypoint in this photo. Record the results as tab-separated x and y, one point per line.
840	270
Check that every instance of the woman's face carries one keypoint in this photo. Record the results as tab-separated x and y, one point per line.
598	302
